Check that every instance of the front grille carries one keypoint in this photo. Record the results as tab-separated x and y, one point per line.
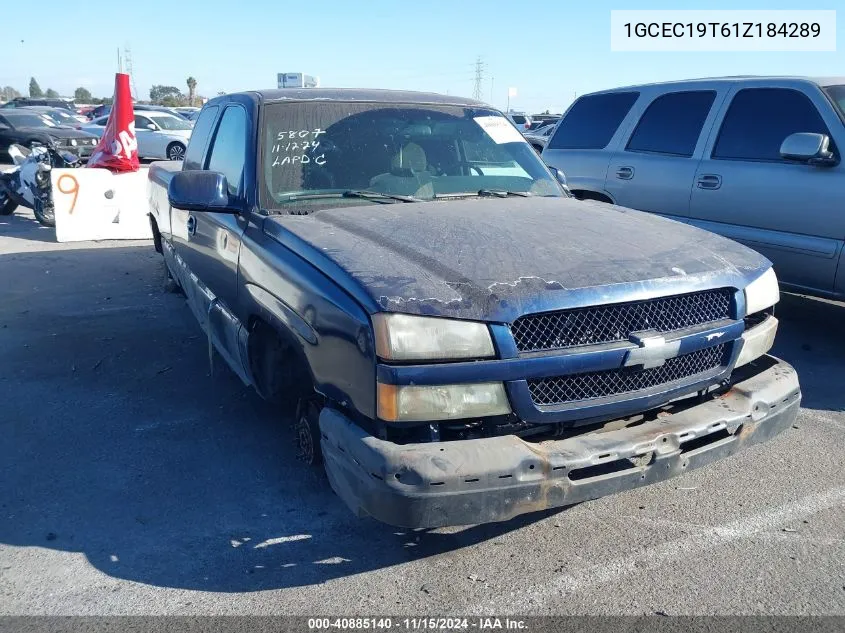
575	387
609	323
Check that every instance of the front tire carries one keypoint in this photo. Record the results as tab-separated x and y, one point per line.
307	429
44	213
176	151
7	205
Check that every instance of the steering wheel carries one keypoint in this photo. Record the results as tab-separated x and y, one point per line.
471	166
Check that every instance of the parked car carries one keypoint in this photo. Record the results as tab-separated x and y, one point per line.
59	116
159	134
27	128
757	159
540	137
542	120
520	120
460	345
22	102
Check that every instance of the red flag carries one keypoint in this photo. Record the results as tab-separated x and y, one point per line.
118	148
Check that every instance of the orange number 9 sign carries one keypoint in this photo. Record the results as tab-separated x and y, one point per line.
71	188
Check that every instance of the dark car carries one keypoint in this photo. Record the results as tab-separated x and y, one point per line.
26	127
22	102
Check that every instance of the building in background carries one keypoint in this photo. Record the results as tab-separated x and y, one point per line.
297	80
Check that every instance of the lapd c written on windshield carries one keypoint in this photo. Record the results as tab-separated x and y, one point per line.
294	147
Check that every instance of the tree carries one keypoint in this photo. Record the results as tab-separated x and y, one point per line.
159	93
34	88
192	88
83	95
7	93
51	94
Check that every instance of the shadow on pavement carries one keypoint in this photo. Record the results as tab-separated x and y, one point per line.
811	338
122	447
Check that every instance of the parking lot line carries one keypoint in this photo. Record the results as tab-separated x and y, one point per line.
533	598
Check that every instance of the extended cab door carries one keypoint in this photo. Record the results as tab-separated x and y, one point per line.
743	189
208	244
655	165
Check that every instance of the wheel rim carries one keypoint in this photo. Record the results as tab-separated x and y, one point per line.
177	152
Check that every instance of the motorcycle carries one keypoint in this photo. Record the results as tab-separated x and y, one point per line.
29	183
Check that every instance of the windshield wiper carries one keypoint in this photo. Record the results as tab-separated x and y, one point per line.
497	193
375	196
503	194
354	193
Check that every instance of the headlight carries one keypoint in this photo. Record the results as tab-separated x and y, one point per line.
757	340
762	293
418	403
73	142
405	337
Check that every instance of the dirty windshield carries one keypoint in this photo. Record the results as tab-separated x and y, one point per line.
320	154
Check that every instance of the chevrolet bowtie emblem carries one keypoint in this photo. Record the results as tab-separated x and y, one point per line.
653	350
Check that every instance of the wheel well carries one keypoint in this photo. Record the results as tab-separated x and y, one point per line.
172	143
279	368
584	194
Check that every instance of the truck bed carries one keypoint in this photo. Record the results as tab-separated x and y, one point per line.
160	175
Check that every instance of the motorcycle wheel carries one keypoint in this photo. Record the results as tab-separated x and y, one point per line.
44	213
7	205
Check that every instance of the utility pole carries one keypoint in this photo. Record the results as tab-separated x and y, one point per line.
130	71
492	81
479	77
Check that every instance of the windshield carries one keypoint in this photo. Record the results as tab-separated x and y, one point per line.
59	117
170	122
424	151
19	119
837	95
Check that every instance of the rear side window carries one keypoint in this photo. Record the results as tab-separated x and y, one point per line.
199	138
228	153
672	123
759	119
518	119
592	121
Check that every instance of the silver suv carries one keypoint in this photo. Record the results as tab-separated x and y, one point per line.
756	159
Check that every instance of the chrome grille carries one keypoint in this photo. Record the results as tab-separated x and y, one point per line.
575	387
609	323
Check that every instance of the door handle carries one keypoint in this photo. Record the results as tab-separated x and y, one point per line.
709	181
625	173
192	225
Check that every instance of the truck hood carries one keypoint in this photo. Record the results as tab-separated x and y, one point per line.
494	259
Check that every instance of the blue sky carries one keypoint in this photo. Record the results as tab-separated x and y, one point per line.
233	45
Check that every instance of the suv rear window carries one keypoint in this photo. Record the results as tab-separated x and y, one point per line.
592	120
518	118
672	123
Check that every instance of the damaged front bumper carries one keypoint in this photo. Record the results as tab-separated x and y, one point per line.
494	479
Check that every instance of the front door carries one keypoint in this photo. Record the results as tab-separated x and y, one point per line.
208	244
787	211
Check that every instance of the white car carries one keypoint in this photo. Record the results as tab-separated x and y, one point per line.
160	135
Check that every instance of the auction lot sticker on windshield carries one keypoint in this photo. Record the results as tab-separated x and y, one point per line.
499	129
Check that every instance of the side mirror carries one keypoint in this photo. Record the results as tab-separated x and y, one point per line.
151	126
560	177
200	191
808	147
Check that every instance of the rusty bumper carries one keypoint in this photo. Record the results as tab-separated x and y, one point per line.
494	479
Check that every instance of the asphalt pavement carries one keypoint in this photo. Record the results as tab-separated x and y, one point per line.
134	480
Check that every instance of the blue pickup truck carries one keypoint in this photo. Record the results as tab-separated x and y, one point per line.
457	339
